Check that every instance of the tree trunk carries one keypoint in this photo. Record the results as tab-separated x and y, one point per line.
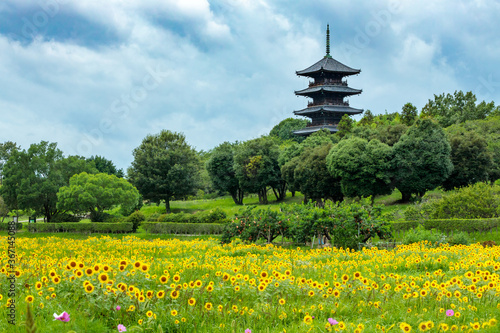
406	197
263	196
167	205
293	194
237	196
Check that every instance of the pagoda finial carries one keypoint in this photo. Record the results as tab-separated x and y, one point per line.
328	40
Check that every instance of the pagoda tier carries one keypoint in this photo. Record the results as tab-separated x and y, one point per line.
328	91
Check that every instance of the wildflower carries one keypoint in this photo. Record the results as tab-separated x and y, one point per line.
332	321
308	320
192	301
173	313
248	330
121	328
405	327
450	313
29	299
118	308
62	317
208	306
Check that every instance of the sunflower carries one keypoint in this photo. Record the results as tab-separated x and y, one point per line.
89	271
191	301
208	306
173	313
29	299
308	320
160	294
174	294
149	314
405	327
38	285
282	301
103	277
163	279
89	288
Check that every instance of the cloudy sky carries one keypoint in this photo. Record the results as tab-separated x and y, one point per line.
97	76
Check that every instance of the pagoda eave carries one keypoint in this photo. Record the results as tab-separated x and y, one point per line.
330	65
328	109
344	90
311	129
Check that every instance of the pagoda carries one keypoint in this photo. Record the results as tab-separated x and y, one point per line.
328	92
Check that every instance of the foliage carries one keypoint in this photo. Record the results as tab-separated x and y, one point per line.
256	167
165	167
408	114
65	217
479	200
344	224
471	159
104	165
284	130
81	227
33	177
450	225
367	118
457	108
184	228
136	218
420	234
345	125
6	150
365	168
95	193
220	167
5	226
312	176
216	215
4	210
421	158
390	134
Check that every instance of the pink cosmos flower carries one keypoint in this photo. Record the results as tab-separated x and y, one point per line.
121	328
248	330
62	317
332	321
118	308
450	313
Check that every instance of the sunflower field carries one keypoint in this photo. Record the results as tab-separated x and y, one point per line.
107	284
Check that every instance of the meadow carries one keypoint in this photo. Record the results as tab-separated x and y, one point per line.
109	284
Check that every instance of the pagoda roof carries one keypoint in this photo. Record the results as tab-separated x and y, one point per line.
329	88
311	129
328	108
328	64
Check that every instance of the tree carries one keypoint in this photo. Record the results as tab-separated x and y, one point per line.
284	130
165	167
345	125
470	157
256	167
422	158
4	210
221	171
367	118
95	193
6	150
409	114
457	108
314	179
390	134
104	165
365	168
33	177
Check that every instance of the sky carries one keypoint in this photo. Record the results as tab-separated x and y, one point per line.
97	76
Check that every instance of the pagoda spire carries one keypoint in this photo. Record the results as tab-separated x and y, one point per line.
328	41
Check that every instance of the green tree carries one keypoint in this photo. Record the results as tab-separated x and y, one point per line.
345	125
313	177
165	167
409	114
4	210
6	150
95	193
33	177
422	158
390	134
470	157
284	130
367	119
104	165
256	167
365	168
220	167
457	108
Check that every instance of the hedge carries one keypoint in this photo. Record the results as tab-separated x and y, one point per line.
450	225
183	228
81	227
5	226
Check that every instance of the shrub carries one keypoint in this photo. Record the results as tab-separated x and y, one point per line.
479	200
65	217
5	226
183	228
459	238
136	218
420	234
153	217
81	227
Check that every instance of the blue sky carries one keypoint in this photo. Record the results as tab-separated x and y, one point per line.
98	76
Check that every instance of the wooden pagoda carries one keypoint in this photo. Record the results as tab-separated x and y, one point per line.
328	92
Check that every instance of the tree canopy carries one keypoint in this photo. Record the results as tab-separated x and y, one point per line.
284	130
165	167
422	158
94	193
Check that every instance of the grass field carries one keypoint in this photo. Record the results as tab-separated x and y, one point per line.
171	285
